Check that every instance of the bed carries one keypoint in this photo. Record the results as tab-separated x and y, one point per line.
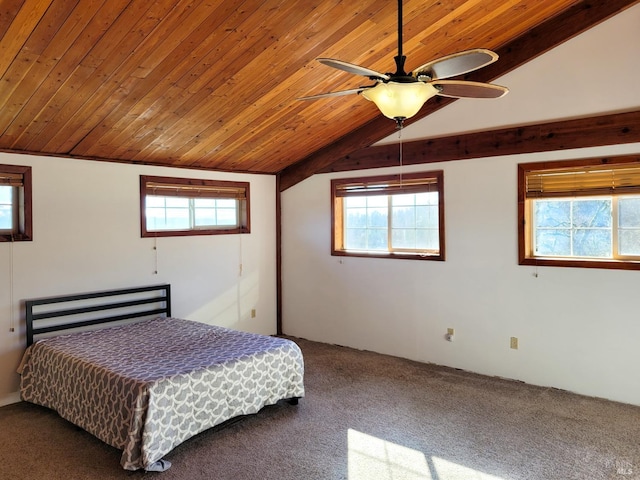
147	385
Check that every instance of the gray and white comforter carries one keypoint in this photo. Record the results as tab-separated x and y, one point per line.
145	388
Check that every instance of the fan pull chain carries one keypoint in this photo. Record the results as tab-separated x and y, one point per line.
239	255
12	320
155	254
239	282
400	154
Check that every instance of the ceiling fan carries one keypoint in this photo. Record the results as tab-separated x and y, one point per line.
400	95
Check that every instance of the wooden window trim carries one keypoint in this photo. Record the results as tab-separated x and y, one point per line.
523	215
21	177
337	237
196	188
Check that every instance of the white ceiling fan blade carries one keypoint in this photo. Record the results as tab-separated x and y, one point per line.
352	68
465	89
335	94
456	64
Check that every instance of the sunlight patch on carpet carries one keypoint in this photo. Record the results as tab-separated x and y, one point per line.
371	457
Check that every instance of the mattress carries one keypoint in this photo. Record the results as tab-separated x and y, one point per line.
146	387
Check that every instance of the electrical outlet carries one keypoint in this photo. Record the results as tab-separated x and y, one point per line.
449	335
514	343
253	313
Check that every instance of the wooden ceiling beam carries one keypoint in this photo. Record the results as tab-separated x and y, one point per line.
612	129
564	26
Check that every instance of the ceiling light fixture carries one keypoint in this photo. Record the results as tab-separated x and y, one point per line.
400	100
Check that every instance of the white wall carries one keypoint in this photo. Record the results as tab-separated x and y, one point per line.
578	329
86	225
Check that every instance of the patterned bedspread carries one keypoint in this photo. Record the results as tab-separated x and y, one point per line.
145	388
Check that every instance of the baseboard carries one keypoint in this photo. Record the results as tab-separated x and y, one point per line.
9	399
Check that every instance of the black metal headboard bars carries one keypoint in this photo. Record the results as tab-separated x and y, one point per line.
38	316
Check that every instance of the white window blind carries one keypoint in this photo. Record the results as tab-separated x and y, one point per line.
11	179
583	181
195	188
386	185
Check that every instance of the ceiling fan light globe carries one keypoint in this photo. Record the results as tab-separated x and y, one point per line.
400	100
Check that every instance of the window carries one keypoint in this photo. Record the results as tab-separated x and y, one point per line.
389	216
182	206
580	213
15	203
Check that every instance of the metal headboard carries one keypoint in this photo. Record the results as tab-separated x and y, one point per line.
158	297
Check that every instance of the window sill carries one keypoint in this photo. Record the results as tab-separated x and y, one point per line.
18	237
186	233
575	263
397	256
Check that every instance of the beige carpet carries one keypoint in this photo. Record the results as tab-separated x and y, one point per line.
365	417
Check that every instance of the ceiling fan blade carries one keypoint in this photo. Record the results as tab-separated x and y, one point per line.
352	68
464	89
335	94
456	64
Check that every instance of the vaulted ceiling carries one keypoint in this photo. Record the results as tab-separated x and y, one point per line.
214	84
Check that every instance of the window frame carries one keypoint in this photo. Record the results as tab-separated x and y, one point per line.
337	230
20	177
229	189
525	241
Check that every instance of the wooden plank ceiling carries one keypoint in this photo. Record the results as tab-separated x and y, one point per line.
213	84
